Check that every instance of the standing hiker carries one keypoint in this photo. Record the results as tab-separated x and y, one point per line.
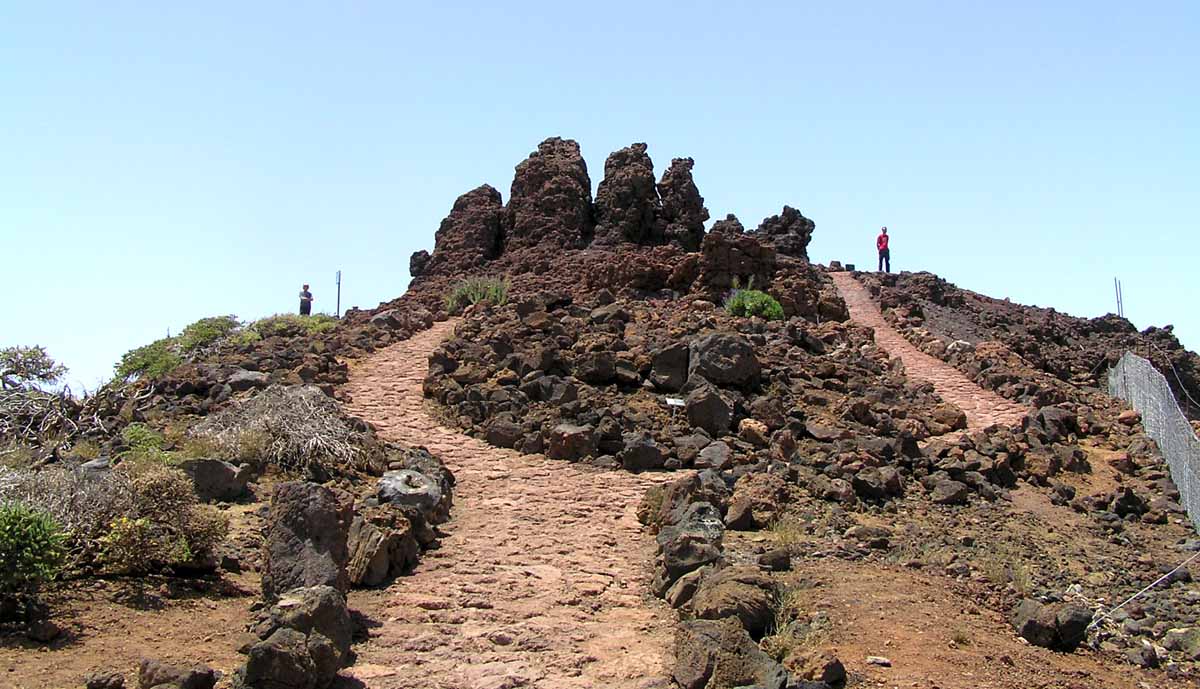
885	254
306	299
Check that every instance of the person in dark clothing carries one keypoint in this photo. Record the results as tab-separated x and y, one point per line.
306	299
885	254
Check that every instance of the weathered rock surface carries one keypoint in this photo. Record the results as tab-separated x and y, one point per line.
305	639
712	654
627	205
471	235
306	539
551	200
789	232
683	213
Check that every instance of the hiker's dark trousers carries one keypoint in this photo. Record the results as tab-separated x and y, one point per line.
885	260
305	308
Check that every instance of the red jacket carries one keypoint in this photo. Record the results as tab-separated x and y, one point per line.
881	242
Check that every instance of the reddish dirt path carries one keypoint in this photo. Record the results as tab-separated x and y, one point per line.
542	580
982	407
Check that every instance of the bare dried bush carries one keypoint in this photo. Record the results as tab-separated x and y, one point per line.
298	429
130	519
84	505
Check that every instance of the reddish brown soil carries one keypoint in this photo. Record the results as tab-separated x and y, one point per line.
112	625
982	407
936	636
542	577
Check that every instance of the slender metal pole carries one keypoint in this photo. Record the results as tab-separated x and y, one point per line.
338	311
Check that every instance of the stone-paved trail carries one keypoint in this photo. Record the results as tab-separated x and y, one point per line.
982	407
543	577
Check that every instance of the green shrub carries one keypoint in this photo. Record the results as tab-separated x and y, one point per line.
142	437
246	337
31	548
165	526
475	291
751	302
150	361
290	324
206	331
28	367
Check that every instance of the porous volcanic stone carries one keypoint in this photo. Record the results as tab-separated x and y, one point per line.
551	200
627	205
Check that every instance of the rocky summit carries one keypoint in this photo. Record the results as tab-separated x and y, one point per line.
596	445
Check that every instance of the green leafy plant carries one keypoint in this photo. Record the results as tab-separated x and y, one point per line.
207	331
285	324
492	291
31	548
165	526
751	302
142	437
150	361
28	367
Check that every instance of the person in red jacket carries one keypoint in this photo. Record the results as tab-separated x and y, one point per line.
885	255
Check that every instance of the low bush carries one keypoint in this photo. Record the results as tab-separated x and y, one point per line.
166	527
298	429
150	361
28	367
31	548
290	323
133	519
207	331
751	302
492	291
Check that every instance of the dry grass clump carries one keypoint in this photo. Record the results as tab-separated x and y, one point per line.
297	429
127	520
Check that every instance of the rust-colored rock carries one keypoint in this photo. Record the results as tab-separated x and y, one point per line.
627	205
683	212
551	199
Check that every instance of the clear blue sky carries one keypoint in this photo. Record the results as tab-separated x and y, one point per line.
159	164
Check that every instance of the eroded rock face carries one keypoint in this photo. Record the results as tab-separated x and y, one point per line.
728	255
551	199
627	206
305	640
712	653
790	232
305	540
471	234
683	212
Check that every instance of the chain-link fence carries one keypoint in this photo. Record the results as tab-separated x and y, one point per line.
1136	381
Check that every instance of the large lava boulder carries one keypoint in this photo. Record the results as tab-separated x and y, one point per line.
1060	627
683	212
627	205
724	359
305	640
712	653
551	199
471	235
741	592
789	232
306	537
689	544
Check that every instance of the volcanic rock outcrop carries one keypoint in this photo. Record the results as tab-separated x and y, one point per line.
472	234
551	198
627	205
789	231
683	211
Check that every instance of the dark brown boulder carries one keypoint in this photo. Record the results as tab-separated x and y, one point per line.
730	225
727	256
627	205
306	539
790	232
470	236
417	263
683	212
551	198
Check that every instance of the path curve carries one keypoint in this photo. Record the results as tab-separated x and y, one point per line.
543	577
982	407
